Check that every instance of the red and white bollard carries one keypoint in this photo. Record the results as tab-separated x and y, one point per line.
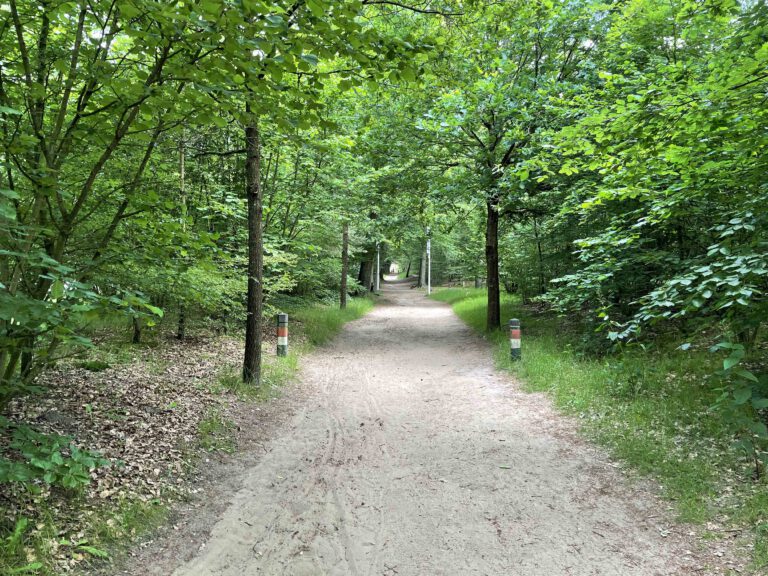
282	334
514	339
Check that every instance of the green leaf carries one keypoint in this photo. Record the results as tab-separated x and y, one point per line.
154	309
7	211
742	395
93	551
276	73
128	10
316	7
745	374
27	569
408	74
10	194
310	59
759	428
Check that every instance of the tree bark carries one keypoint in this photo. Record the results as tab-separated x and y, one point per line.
371	270
493	318
344	265
423	268
252	357
136	339
361	273
182	326
540	258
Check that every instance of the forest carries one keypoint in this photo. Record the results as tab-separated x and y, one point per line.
175	173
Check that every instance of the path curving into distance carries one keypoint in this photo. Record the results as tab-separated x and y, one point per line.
412	456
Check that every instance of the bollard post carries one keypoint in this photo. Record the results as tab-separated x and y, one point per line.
514	339
282	334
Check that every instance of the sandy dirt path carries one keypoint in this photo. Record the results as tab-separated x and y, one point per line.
412	456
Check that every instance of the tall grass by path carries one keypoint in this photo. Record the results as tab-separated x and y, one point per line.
319	323
651	409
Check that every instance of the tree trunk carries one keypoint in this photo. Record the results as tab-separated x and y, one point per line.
371	270
361	273
423	269
540	258
493	318
367	269
252	357
408	269
344	265
182	327
27	356
136	331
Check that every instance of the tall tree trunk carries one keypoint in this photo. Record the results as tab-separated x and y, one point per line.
136	330
27	356
344	265
493	318
182	326
423	268
252	357
539	255
368	275
408	268
367	266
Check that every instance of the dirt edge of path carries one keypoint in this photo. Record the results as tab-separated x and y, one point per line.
218	476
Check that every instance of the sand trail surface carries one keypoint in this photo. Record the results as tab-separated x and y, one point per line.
412	456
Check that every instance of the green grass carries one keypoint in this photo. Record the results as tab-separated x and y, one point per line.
94	365
111	530
651	409
320	323
276	372
216	432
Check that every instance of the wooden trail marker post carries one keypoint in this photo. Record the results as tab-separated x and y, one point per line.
514	339
282	334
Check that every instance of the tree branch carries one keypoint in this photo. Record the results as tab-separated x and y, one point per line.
411	8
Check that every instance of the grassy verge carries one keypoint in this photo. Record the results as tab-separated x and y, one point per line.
651	409
316	325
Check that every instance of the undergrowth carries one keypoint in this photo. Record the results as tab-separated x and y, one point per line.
216	432
319	323
276	372
653	409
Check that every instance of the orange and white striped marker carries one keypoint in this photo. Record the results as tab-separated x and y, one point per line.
514	339
282	334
